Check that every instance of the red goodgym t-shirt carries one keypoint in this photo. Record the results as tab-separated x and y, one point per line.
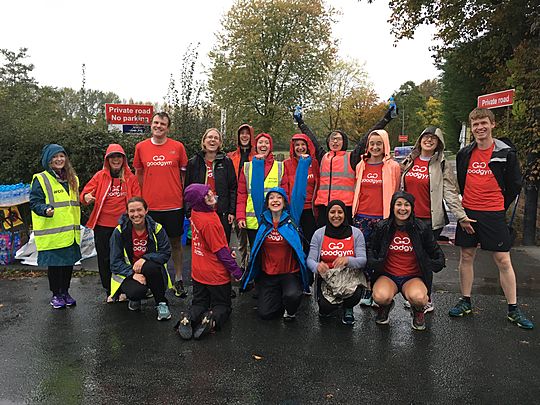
371	198
401	260
277	255
332	248
208	237
140	244
161	165
417	184
482	192
114	204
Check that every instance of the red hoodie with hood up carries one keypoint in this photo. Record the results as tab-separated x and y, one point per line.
100	184
236	155
242	195
289	172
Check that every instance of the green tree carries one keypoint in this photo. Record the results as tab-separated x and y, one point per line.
191	111
482	48
271	54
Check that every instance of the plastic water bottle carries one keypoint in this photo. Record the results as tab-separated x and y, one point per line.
393	113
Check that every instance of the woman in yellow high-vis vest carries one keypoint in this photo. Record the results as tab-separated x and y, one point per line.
56	218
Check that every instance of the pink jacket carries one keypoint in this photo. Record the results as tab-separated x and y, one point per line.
391	174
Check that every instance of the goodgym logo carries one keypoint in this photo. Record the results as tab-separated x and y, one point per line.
139	245
372	178
420	172
480	168
159	160
403	244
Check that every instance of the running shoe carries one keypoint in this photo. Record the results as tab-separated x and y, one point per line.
57	302
68	299
418	319
288	317
461	308
519	319
134	305
184	328
348	316
206	326
429	307
163	312
367	299
383	313
179	289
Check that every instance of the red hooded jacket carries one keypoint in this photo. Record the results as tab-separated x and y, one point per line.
236	155
100	183
242	195
289	172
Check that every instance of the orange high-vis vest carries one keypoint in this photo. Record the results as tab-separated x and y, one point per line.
337	179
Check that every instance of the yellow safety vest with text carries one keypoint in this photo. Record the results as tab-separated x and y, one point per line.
63	228
117	279
272	180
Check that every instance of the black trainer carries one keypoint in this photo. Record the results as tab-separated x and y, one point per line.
184	326
206	326
383	313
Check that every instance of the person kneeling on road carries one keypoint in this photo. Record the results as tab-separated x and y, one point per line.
338	256
277	261
140	250
212	265
404	255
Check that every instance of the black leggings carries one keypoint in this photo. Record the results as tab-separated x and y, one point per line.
153	273
211	297
102	236
326	308
59	278
278	293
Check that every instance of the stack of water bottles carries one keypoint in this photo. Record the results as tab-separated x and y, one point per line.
14	194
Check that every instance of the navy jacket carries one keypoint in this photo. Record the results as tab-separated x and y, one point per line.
158	248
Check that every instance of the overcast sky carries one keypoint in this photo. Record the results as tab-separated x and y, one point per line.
132	47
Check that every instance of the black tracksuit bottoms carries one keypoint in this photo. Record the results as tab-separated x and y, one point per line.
215	298
59	278
278	293
102	237
153	272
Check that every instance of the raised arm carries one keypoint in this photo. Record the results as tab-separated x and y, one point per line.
298	195
360	147
319	150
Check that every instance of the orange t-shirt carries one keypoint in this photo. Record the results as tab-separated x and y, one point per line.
161	165
417	184
208	237
277	255
370	200
114	204
401	260
482	192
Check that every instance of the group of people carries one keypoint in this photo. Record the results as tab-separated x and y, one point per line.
354	227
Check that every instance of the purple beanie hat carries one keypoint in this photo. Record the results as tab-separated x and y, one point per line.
194	197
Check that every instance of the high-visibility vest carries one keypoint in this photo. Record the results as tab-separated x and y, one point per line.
63	228
272	180
118	279
337	179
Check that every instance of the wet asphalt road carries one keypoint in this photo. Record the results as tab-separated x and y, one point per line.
100	354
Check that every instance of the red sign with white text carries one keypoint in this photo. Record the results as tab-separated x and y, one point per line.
496	100
129	114
403	138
